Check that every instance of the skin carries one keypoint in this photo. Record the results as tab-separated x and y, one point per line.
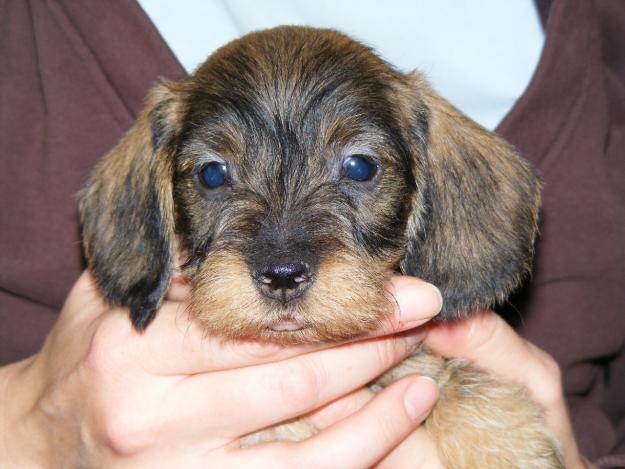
98	394
489	342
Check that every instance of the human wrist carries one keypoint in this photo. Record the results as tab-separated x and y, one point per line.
21	442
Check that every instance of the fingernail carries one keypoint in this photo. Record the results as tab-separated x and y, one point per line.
420	397
417	301
438	294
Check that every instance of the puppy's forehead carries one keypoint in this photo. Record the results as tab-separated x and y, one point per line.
291	87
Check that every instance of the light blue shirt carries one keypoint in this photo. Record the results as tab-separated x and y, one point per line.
479	54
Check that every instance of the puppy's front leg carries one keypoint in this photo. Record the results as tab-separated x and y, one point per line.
480	422
292	430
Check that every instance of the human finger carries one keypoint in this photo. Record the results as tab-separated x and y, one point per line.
179	287
362	439
268	394
340	408
176	344
416	451
487	341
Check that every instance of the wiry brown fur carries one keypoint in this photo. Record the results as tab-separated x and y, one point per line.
450	202
113	207
484	210
227	302
479	421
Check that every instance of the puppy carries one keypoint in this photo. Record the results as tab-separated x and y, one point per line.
297	171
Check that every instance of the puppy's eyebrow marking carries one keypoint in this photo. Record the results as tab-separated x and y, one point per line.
287	110
196	154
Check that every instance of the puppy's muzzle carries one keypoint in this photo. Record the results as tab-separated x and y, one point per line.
283	281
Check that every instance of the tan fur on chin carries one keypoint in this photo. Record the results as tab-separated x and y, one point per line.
284	113
228	304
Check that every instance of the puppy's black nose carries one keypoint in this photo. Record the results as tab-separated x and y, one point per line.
284	281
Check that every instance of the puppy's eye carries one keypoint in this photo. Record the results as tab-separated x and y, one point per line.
359	168
213	175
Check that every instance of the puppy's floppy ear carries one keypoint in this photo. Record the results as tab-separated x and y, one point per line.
127	211
473	225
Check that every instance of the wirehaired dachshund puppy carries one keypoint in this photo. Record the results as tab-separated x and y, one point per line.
297	170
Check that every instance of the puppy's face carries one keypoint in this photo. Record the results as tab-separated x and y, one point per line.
298	170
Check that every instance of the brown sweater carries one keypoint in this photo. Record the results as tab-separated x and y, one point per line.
73	77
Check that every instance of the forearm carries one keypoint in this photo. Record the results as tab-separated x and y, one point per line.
5	373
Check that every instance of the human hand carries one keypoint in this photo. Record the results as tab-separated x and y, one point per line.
101	394
487	341
491	344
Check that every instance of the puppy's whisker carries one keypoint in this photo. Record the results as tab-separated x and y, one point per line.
299	171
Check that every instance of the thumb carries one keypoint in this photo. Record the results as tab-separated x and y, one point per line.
489	343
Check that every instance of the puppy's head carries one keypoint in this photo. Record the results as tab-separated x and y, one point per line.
298	170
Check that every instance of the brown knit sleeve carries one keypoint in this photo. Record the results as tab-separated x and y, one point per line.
570	123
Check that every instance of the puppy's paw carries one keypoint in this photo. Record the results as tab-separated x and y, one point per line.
293	430
481	422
